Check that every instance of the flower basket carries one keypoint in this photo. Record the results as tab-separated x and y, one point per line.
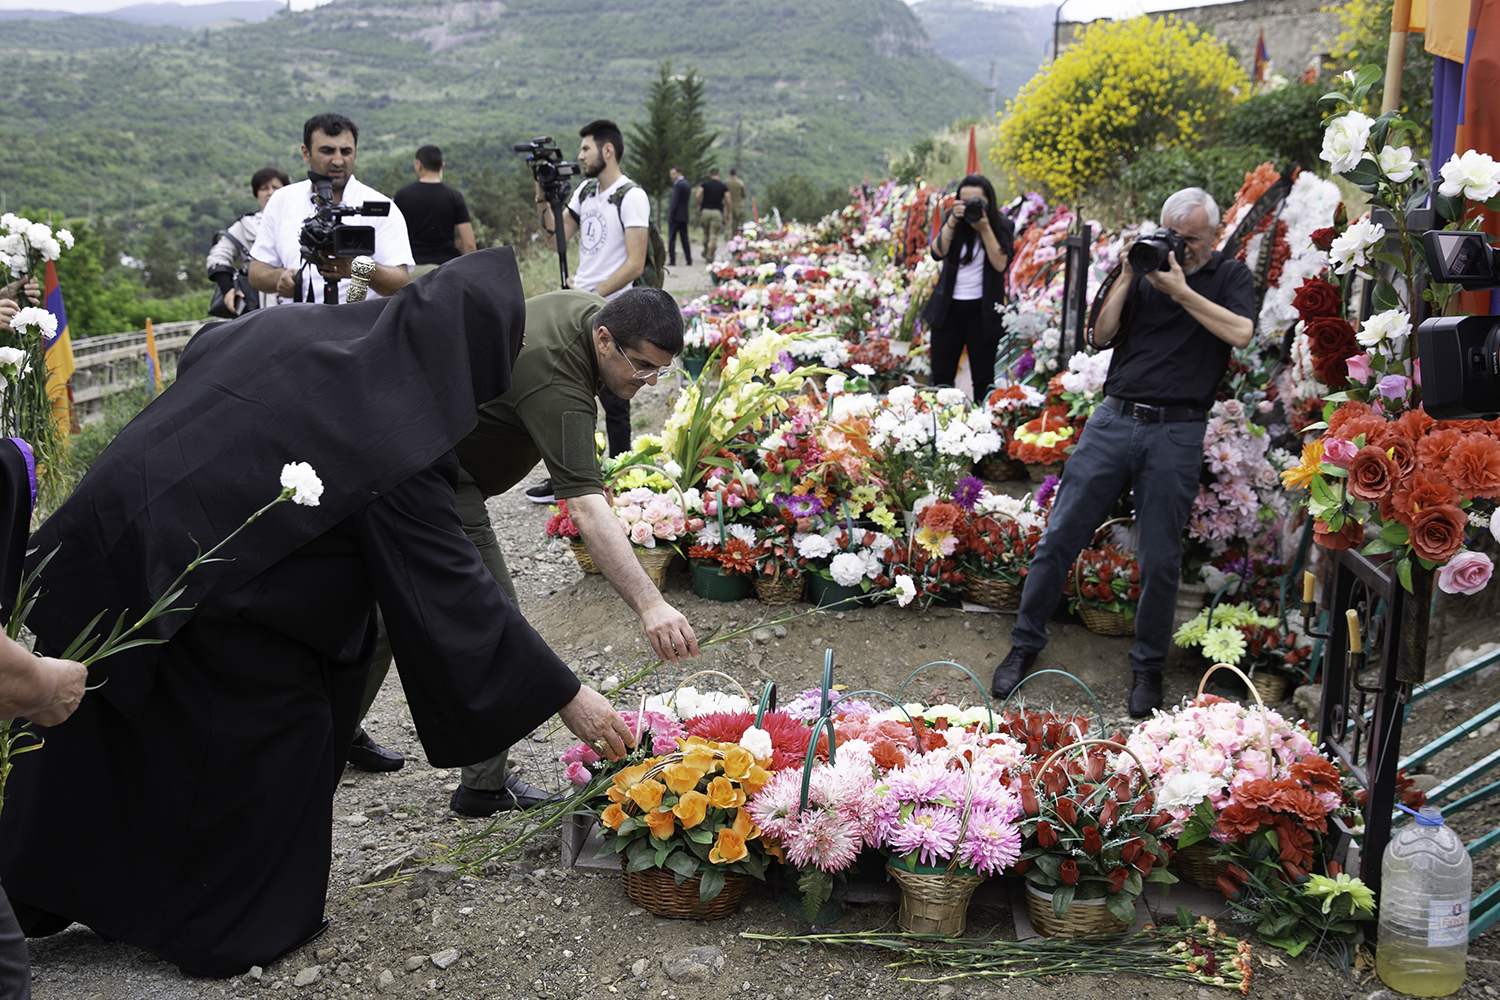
1001	470
585	560
655	562
655	890
1102	622
694	366
993	592
1196	864
933	901
1271	685
713	583
1083	917
779	591
823	592
1037	472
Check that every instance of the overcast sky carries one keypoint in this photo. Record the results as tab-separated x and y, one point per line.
1075	10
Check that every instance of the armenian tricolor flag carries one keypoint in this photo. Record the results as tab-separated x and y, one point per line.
59	354
1262	59
153	363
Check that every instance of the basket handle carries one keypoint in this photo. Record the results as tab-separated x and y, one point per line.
824	701
1042	673
1117	747
1265	722
629	806
963	818
767	703
717	673
901	691
812	750
721	517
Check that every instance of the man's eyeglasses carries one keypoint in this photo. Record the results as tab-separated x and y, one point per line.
662	372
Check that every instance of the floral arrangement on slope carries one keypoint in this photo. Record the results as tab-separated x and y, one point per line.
1106	578
999	536
932	812
922	443
1047	439
689	817
1239	636
1240	497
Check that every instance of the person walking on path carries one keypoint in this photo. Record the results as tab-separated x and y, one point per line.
677	219
712	200
739	200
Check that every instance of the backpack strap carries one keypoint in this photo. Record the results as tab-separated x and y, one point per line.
618	198
243	252
589	189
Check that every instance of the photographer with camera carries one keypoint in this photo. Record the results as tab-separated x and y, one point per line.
1177	310
227	259
975	244
303	225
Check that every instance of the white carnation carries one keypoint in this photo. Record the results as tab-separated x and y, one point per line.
34	316
1345	139
1474	174
1186	789
847	569
758	742
811	546
908	590
304	483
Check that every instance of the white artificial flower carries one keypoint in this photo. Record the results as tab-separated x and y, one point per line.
38	233
64	237
672	469
743	532
836	384
34	316
303	481
949	396
1345	139
11	356
863	369
1397	163
1185	789
758	742
812	546
907	588
1390	324
1475	175
749	478
847	569
1352	247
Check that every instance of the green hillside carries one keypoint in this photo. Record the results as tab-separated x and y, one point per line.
70	34
824	88
972	34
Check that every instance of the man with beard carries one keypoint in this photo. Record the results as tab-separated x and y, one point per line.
215	753
1172	332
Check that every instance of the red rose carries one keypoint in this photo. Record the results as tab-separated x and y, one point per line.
1117	879
1045	835
1020	866
1403	452
1330	337
1092	844
1332	371
1372	474
1323	238
1028	799
1316	298
1067	811
1350	535
1069	873
1437	533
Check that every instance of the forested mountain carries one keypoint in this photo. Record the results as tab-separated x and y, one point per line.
170	131
973	33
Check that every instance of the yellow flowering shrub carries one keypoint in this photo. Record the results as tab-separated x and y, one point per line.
1124	89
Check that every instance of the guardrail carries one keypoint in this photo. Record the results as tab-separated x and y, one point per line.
104	366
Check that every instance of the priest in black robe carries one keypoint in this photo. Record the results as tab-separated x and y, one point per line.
186	808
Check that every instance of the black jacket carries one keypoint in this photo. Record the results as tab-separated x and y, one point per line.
677	208
935	313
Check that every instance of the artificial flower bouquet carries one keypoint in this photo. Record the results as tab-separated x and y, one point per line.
730	506
923	442
1106	578
561	524
650	518
998	537
1240	636
1047	439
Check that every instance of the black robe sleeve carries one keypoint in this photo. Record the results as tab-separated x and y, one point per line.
477	676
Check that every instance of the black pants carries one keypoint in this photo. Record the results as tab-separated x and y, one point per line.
964	327
675	229
15	966
617	417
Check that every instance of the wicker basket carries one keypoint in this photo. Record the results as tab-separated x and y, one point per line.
1196	864
656	891
1272	686
1083	917
1036	473
585	560
655	562
993	592
933	903
778	591
1001	470
1102	622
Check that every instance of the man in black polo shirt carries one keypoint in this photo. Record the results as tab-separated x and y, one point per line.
1172	332
437	217
713	203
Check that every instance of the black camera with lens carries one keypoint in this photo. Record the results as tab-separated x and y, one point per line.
1460	355
323	235
1151	253
548	167
974	210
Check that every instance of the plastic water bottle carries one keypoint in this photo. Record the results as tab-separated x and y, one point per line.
1427	879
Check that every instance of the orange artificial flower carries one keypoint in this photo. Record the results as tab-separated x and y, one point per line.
701	758
624	779
737	760
745	826
612	816
647	794
729	849
661	824
681	776
691	809
722	794
1300	477
753	782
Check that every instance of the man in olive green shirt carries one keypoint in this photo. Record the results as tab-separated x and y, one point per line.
739	200
575	343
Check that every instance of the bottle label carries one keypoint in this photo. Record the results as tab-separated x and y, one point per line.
1447	923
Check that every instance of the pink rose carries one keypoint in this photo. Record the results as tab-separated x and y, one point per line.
1466	573
1359	368
640	534
630	513
663	529
1337	451
694	523
578	774
735	500
711	508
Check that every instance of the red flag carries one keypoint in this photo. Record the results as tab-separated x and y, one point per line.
1262	59
973	165
1481	121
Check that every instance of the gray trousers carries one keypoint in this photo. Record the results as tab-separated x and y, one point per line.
15	965
1161	461
487	775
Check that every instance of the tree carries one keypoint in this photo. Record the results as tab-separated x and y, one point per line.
162	262
1126	88
798	198
675	133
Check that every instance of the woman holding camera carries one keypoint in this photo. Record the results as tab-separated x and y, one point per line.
975	244
231	254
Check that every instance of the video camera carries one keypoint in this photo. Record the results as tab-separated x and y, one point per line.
1150	253
548	167
1460	355
323	235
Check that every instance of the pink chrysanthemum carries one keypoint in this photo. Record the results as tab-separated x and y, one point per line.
930	831
823	841
992	841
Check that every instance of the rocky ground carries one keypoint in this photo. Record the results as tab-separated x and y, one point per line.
525	925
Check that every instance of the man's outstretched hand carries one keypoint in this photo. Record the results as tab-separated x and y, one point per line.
594	721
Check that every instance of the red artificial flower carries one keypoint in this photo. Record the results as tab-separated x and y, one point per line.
1117	879
1473	466
1067	810
1323	238
1347	537
1437	533
1069	873
1316	297
1046	836
1092	843
1238	819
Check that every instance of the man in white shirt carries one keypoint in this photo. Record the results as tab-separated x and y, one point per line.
610	214
329	143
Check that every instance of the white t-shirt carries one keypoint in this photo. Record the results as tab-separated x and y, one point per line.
969	284
281	223
601	231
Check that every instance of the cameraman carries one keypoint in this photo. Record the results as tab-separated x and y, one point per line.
964	310
328	147
1172	332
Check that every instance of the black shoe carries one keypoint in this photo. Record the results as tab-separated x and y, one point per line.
541	492
478	803
1010	671
1145	693
367	755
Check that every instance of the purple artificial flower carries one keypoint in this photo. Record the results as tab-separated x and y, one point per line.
1044	492
801	504
784	363
966	494
782	315
1025	366
1394	386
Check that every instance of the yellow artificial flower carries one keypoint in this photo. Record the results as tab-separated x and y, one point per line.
737	761
1300	476
729	849
691	809
722	794
647	794
662	824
